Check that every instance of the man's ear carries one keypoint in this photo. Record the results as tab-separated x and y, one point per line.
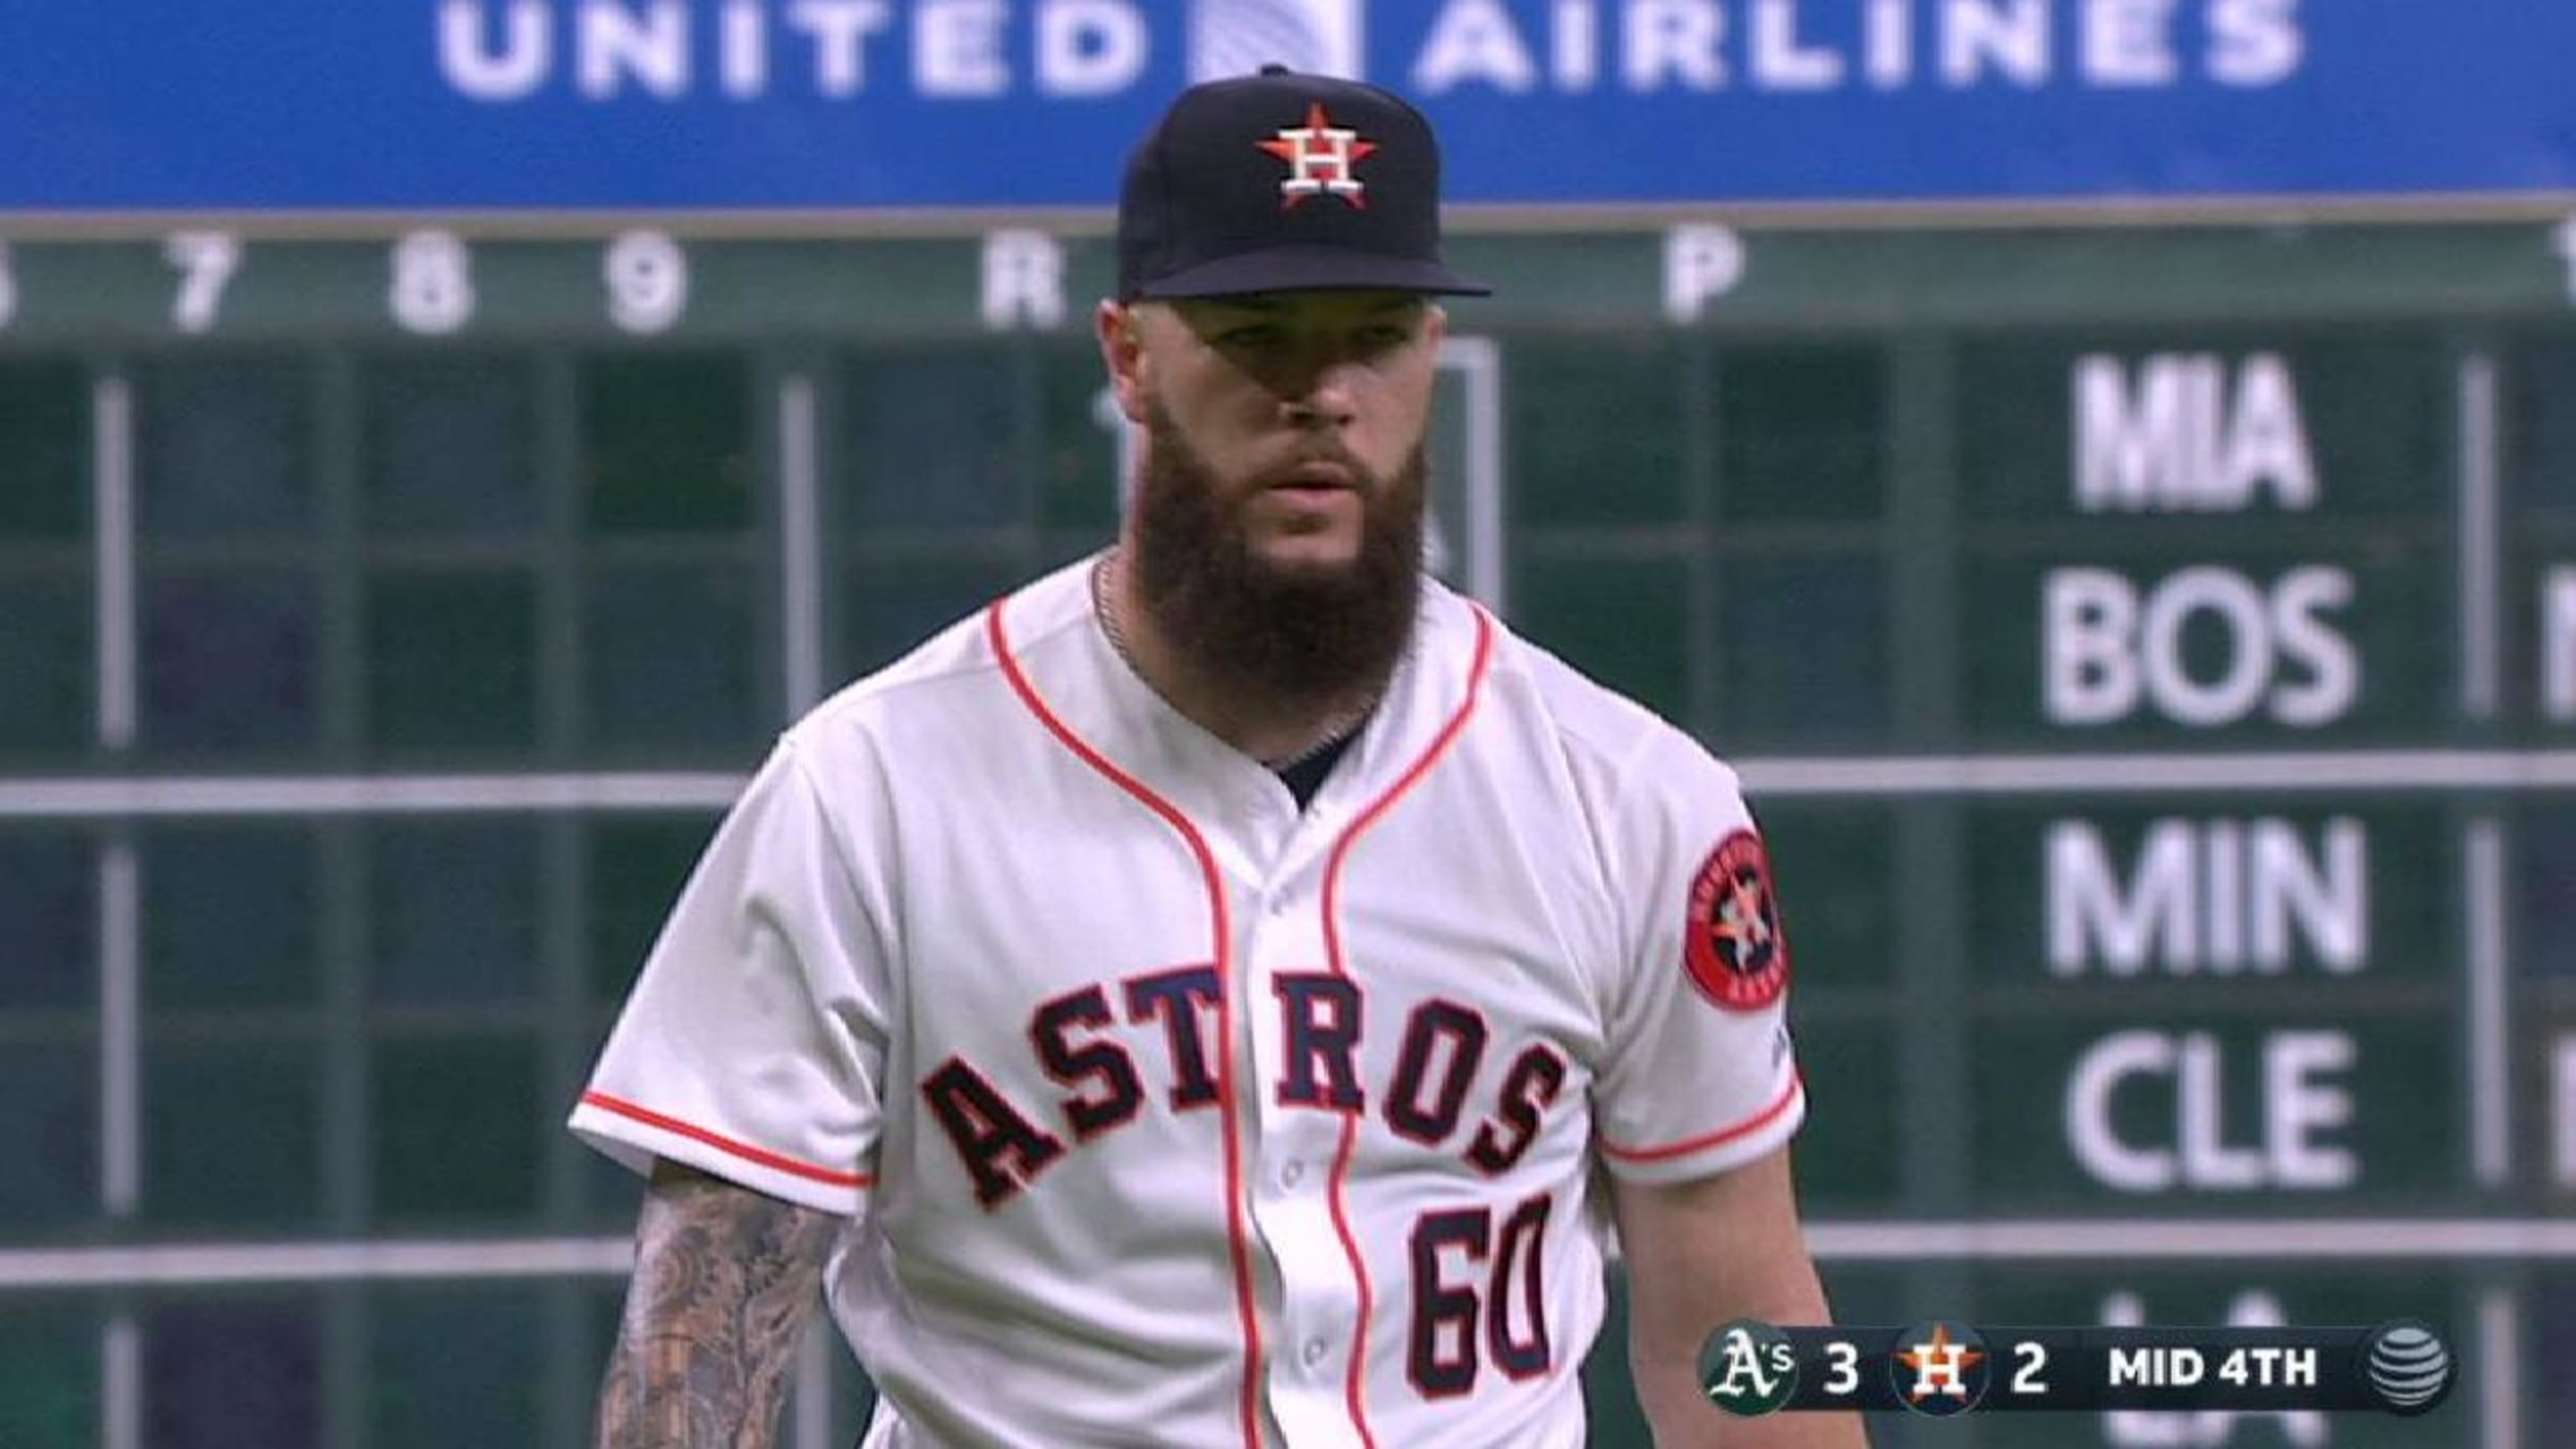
1120	329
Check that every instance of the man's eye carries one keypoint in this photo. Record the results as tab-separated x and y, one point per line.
1380	338
1249	336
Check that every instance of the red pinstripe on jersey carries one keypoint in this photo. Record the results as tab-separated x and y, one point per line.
1788	1097
1355	1381
722	1143
1238	1243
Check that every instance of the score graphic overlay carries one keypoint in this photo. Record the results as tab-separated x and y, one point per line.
1942	1367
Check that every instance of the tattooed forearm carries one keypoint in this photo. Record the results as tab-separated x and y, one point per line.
725	1279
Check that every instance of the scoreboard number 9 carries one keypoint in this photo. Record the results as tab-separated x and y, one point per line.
648	281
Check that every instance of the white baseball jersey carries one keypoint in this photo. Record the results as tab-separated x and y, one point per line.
1168	1113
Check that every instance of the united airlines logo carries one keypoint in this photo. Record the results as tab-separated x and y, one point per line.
999	50
754	51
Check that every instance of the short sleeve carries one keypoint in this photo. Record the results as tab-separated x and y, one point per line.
752	1044
1699	1075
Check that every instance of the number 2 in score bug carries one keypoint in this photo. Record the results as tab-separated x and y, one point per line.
2024	1375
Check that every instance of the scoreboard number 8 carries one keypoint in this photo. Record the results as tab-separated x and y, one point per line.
433	283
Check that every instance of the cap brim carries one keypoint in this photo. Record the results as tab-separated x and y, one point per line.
1312	269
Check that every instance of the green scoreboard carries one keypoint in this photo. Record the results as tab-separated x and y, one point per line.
2151	649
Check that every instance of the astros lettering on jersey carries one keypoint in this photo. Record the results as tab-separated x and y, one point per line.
1165	1113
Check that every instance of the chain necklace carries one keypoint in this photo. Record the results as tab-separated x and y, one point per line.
1341	727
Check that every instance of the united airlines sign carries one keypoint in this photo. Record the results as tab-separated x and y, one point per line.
938	105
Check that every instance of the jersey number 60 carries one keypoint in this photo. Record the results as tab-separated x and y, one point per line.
1451	1319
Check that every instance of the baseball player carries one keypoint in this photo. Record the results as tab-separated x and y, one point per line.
1225	992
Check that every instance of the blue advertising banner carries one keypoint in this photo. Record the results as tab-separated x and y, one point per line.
649	105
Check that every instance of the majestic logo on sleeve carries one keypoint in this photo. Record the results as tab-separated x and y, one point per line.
1321	157
1735	951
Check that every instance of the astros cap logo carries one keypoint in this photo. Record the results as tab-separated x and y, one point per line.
1321	156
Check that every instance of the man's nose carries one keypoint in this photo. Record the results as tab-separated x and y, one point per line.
1325	394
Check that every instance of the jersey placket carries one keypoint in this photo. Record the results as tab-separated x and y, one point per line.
1303	1087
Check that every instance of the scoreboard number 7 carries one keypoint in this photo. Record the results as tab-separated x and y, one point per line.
206	261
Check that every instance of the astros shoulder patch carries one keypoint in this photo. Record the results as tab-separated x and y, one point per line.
1733	947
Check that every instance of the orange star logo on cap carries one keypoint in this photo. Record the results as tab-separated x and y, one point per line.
1321	159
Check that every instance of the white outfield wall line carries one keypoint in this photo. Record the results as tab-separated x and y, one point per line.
2489	1036
216	795
2116	1240
195	1265
2265	771
120	1388
800	535
2499	1370
2095	1241
2481	547
2376	771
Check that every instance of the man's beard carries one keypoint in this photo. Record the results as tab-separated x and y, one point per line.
1294	638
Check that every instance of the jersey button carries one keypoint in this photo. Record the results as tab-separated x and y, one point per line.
1292	1174
1314	1351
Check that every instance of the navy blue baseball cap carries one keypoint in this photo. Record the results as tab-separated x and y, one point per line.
1280	182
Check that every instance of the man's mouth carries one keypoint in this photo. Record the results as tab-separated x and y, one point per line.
1318	474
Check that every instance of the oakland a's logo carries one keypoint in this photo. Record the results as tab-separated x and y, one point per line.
1748	1368
1736	953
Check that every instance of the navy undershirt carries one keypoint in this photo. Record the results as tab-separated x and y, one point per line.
1304	777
